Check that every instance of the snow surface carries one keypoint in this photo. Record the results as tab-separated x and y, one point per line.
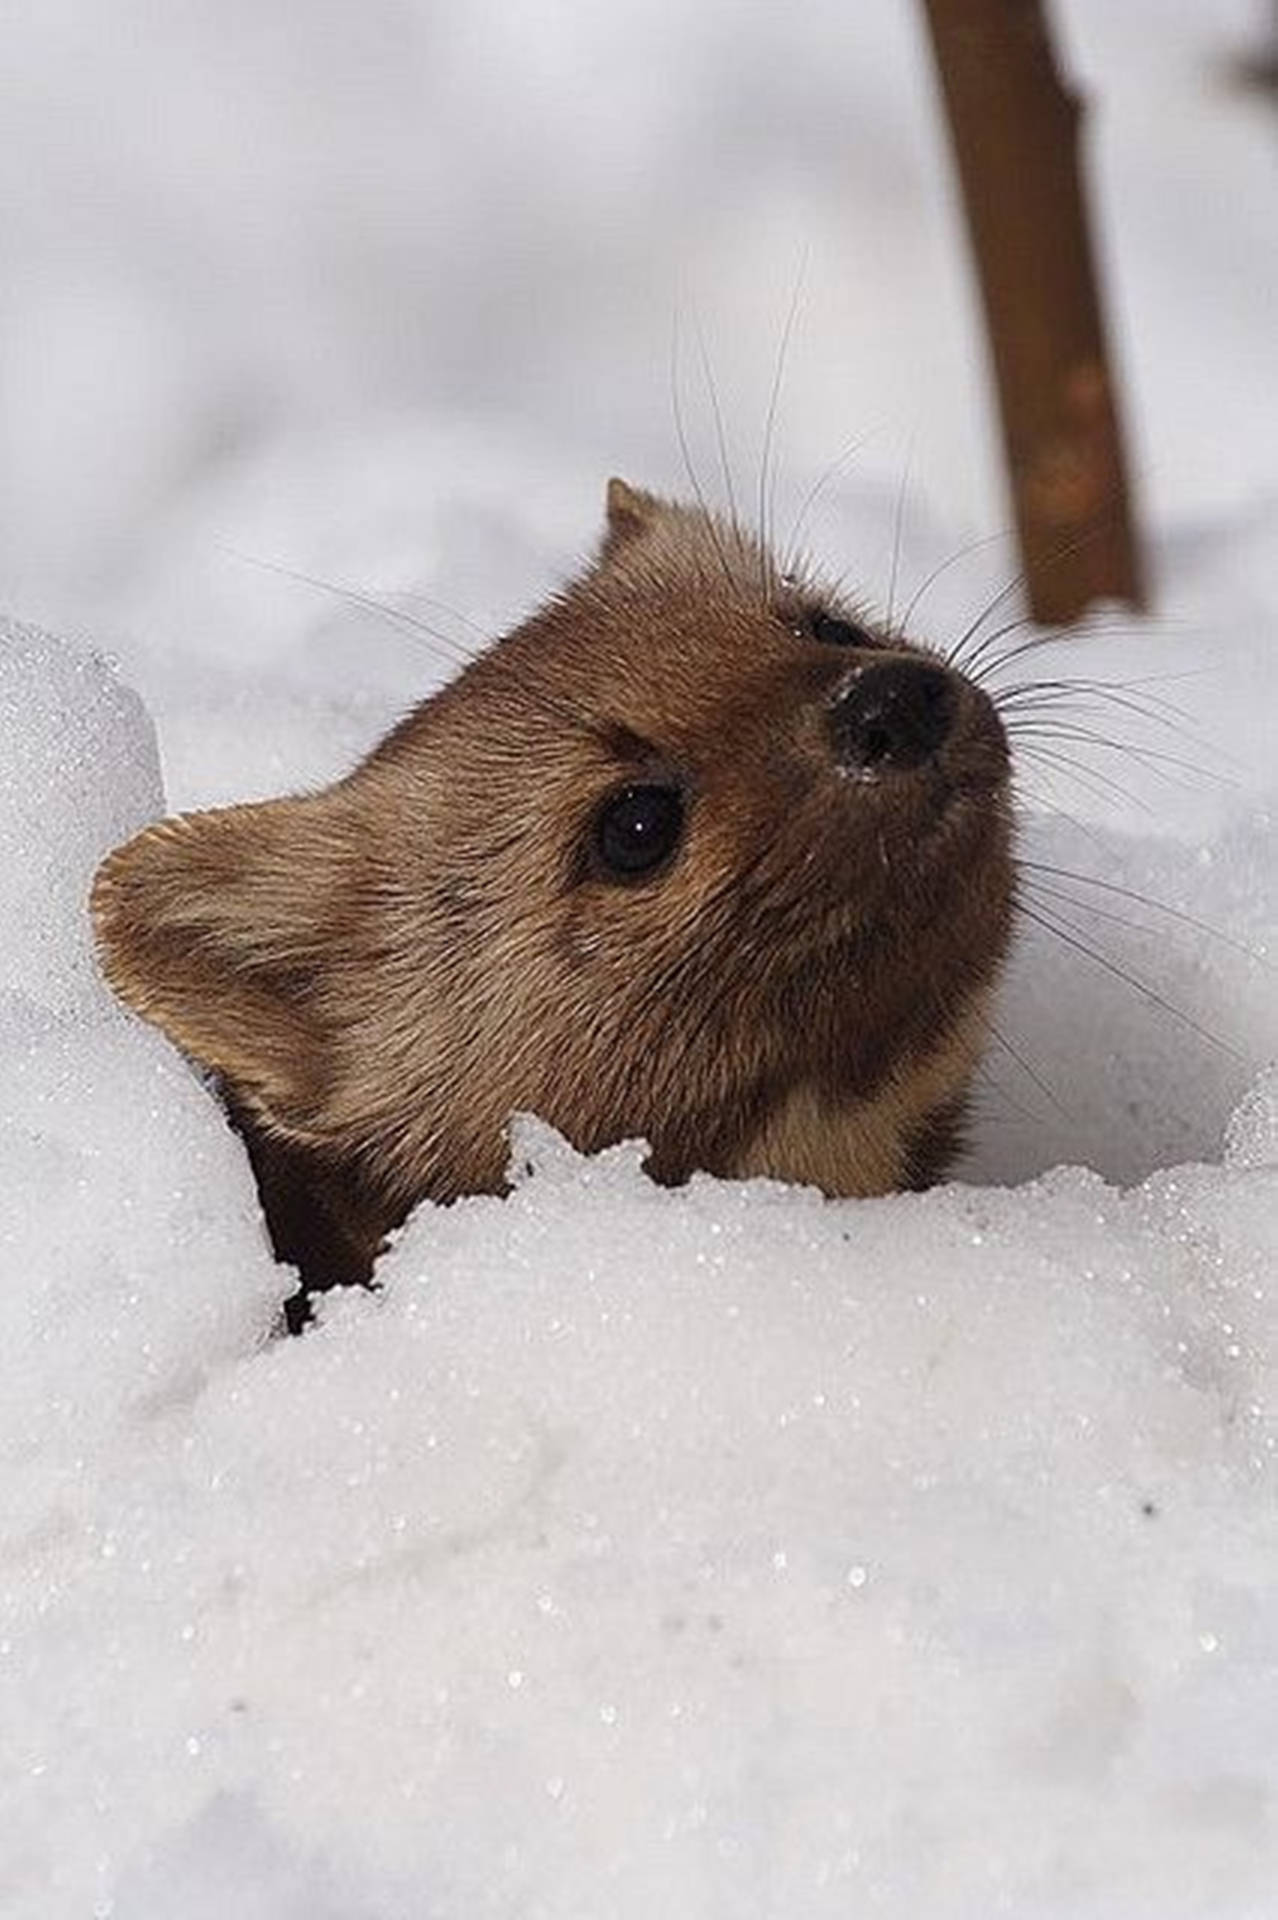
715	1553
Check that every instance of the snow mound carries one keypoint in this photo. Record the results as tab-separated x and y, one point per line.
133	1252
1141	1000
716	1551
1252	1139
78	773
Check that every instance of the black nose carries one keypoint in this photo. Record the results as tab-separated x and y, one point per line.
892	716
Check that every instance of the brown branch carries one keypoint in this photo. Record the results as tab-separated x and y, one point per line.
1014	127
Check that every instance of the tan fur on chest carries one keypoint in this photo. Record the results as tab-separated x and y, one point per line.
859	1148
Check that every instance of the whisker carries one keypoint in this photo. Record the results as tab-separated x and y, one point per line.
1066	551
1091	627
1115	692
1037	889
769	428
1088	630
1152	758
1030	1071
417	630
1083	828
1152	705
897	530
1071	936
1071	703
686	452
721	438
788	554
386	610
1155	905
1090	779
963	553
984	1084
1040	637
442	606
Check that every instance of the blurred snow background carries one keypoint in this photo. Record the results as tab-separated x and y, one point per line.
723	1552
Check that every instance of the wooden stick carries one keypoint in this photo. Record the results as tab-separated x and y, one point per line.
1014	127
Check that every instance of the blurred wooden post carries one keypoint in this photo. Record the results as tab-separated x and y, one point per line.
1260	69
1014	127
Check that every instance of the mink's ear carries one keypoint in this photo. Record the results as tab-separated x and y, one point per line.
628	512
219	927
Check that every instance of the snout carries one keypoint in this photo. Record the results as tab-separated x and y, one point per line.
893	716
903	715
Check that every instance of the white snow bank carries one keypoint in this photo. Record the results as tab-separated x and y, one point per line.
78	774
721	1551
132	1251
1140	1005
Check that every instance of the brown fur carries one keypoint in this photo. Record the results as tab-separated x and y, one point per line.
382	972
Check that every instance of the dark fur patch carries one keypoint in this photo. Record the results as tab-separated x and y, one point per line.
933	1144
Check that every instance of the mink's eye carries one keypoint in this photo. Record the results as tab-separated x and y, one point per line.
637	829
831	631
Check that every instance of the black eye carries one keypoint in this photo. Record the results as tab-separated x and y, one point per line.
831	631
637	829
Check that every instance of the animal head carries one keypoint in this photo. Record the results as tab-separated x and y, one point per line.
696	853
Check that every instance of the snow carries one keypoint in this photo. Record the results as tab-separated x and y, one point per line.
125	1207
715	1552
76	748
